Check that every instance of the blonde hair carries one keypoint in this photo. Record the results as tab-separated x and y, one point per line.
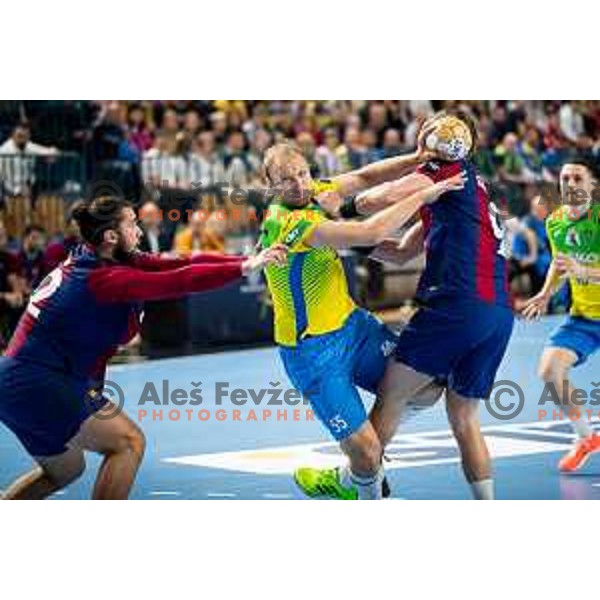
278	153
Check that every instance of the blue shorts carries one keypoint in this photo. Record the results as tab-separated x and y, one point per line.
42	407
327	368
578	334
459	342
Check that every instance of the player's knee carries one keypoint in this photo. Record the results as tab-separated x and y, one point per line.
461	426
463	419
550	370
137	441
132	440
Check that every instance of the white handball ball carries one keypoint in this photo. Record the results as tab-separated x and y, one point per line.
450	139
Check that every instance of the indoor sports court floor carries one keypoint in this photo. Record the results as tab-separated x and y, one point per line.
253	459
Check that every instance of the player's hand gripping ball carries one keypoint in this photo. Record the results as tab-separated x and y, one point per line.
450	139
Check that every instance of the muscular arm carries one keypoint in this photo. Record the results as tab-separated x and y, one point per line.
401	251
538	305
126	284
377	173
554	281
349	184
382	196
375	229
147	261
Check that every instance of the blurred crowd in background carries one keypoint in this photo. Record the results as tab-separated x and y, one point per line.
182	154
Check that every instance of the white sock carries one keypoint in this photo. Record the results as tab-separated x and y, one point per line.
582	428
345	478
368	487
483	490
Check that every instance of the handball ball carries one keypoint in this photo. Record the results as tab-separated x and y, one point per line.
451	139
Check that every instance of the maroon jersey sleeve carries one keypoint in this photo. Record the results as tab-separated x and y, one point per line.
437	170
154	262
126	284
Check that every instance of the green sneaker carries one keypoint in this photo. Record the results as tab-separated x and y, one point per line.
323	483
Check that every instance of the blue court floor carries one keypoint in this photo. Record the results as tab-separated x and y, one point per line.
250	454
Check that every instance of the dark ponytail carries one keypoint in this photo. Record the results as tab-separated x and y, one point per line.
99	215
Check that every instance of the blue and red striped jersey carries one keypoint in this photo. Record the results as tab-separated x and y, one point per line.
86	307
464	240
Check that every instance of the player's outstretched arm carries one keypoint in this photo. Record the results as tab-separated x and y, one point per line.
155	262
377	173
399	252
374	174
373	200
385	170
379	197
127	284
382	196
375	229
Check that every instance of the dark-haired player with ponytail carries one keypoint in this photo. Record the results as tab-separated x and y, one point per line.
53	368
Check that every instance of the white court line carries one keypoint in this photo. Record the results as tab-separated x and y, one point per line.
220	495
407	450
277	496
164	493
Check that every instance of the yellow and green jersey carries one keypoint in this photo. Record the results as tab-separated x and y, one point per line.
310	294
579	239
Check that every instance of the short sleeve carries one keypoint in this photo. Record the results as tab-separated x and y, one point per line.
437	170
298	227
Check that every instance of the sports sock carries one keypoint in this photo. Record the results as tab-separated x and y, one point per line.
368	487
483	490
345	478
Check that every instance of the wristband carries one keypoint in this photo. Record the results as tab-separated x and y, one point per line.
348	209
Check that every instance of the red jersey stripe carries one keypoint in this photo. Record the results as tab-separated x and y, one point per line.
486	251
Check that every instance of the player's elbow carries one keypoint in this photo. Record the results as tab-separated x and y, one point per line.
362	178
367	204
376	199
